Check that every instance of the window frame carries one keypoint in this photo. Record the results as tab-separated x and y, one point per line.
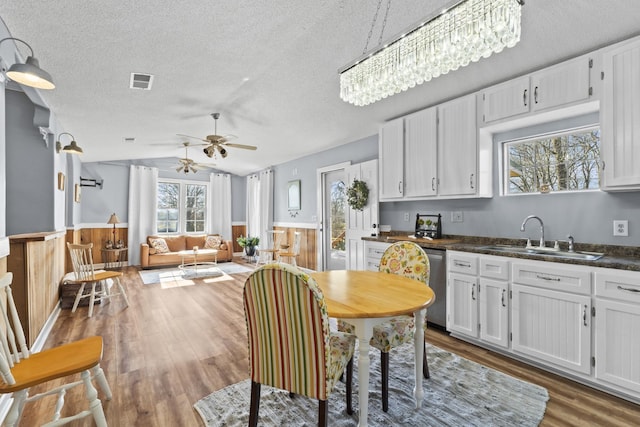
182	208
504	157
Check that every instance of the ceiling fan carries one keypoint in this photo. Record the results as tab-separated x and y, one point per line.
217	144
188	165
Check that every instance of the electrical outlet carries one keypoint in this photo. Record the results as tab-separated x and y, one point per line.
621	227
406	216
457	216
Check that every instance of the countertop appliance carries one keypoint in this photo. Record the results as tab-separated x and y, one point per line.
437	312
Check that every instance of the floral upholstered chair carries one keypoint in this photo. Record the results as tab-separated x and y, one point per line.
290	344
409	260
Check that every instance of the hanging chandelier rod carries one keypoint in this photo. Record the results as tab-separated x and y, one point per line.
405	33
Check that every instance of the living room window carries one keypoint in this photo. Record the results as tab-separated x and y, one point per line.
182	207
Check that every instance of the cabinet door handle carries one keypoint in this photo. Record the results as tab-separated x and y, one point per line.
524	97
584	315
535	95
471	181
473	292
503	292
462	264
555	279
400	187
622	288
433	183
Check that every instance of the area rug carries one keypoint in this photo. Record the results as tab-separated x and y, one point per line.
174	274
459	393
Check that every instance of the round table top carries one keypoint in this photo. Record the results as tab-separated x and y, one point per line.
364	294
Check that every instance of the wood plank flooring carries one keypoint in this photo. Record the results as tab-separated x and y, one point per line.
173	346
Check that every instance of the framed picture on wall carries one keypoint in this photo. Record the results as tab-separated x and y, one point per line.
76	194
60	181
293	195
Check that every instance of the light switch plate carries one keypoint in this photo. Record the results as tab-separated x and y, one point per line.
621	227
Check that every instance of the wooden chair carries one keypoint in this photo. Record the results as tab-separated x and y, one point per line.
292	254
290	344
101	281
406	259
20	369
271	247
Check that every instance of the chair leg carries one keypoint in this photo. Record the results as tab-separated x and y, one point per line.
255	404
323	413
98	374
95	406
349	385
92	298
15	412
425	363
78	296
384	362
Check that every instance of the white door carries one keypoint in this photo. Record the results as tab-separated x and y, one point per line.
360	223
462	301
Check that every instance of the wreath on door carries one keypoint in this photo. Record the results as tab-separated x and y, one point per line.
357	195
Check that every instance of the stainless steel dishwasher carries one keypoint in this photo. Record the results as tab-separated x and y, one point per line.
437	312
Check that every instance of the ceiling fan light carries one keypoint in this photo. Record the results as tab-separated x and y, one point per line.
222	151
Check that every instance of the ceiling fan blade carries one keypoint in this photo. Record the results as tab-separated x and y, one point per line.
179	168
245	147
229	137
192	137
200	166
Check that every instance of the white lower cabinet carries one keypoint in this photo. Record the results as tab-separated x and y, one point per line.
617	329
577	320
551	326
373	254
478	307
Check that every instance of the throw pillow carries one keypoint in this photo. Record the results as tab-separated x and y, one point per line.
213	242
160	245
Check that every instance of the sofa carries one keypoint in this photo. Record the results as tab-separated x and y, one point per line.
163	250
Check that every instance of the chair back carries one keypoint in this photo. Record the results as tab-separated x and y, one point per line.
13	345
288	330
406	259
82	260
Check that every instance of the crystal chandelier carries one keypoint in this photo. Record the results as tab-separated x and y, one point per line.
462	33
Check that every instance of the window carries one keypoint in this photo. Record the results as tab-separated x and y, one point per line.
562	161
182	207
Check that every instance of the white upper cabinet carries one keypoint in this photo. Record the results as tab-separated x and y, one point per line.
620	117
408	156
560	85
458	147
420	153
391	157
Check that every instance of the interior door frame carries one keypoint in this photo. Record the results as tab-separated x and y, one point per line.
320	180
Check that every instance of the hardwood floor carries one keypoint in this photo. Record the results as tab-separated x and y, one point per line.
173	346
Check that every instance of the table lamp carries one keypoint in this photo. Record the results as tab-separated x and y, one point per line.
113	219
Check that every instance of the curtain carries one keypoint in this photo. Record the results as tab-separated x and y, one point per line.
220	205
143	189
260	205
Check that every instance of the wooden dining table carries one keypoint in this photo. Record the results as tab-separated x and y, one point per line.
367	298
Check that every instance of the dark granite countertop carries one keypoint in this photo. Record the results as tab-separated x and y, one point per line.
618	257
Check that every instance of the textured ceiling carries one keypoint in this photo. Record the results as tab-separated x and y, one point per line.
269	67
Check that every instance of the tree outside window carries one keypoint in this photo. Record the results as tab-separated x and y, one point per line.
181	207
567	161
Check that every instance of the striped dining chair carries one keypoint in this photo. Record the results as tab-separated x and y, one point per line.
290	344
410	260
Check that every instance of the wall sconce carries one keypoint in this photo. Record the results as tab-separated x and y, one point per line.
71	148
29	73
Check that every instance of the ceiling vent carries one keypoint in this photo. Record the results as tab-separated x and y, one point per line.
129	140
141	81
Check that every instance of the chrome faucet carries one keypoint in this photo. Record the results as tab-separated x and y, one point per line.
541	227
570	239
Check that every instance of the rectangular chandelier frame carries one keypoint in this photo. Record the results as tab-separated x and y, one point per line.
463	32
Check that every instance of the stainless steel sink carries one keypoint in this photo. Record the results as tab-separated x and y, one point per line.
534	250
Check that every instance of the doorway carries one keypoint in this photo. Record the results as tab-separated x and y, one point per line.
333	224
